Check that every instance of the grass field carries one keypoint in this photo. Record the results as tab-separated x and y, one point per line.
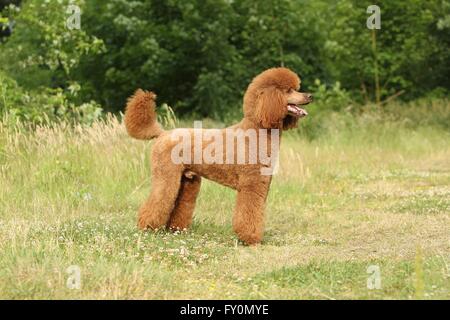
372	194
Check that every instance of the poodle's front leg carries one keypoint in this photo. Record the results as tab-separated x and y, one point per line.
248	219
181	216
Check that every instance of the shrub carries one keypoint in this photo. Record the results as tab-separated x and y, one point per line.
44	105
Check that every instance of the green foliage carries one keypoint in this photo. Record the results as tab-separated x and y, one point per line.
43	43
199	55
45	105
330	97
41	56
412	47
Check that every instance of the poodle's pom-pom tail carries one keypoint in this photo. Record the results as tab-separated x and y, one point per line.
140	116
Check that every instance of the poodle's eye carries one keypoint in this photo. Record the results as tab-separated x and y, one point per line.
290	90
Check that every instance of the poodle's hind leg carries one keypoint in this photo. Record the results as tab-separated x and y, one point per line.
181	217
155	212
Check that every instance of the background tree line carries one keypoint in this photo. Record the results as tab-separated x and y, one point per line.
199	55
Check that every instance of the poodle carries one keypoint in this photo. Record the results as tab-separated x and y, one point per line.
271	104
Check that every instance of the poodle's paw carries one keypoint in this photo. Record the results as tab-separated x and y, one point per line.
144	223
179	223
249	235
177	229
250	239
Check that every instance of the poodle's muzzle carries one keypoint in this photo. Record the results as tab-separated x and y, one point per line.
297	99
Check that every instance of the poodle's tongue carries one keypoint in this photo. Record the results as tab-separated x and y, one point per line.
296	111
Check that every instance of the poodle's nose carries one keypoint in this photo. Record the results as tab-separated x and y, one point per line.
309	96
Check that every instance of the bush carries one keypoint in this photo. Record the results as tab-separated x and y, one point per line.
44	105
39	60
199	55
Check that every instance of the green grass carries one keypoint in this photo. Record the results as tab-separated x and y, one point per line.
365	192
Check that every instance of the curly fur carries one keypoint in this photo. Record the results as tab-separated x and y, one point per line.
175	186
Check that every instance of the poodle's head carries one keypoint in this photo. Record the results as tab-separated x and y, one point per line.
272	99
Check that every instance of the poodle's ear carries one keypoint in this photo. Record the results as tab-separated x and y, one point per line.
270	108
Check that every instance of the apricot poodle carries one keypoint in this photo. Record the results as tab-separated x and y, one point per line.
271	105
